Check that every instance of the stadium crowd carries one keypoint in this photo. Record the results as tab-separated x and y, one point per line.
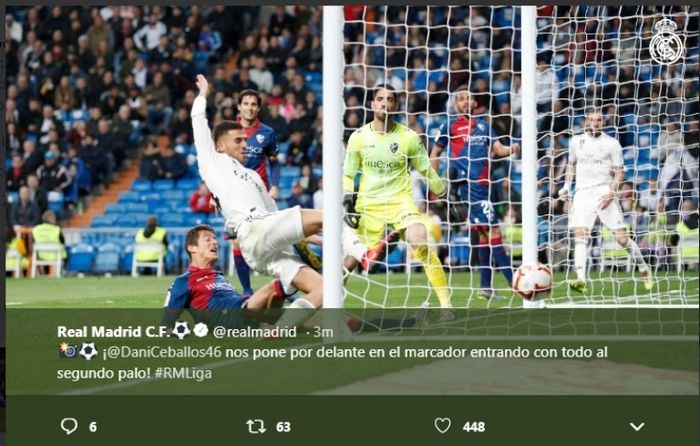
89	88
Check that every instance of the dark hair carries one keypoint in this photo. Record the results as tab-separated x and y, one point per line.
387	87
192	236
593	109
249	92
223	128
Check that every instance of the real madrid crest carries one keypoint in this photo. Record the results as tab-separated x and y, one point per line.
394	146
666	47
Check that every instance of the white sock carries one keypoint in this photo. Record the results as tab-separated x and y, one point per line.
297	313
580	257
352	245
633	249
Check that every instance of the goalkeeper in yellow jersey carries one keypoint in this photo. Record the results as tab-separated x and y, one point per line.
382	152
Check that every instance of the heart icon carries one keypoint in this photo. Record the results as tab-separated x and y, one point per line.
442	424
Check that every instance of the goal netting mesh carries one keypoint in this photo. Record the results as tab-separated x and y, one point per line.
601	56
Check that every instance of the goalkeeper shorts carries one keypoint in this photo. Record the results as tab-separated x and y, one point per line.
374	219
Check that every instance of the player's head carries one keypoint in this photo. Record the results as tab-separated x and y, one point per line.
384	102
202	246
464	101
594	121
229	138
249	105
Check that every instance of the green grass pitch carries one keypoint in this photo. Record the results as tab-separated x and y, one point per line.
378	290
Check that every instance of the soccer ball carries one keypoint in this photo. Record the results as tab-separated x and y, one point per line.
533	280
181	329
88	350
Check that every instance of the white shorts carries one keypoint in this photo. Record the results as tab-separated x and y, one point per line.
586	207
266	242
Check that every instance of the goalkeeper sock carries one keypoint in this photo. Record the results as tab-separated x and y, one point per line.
484	267
580	257
502	259
243	271
435	273
297	313
633	250
352	245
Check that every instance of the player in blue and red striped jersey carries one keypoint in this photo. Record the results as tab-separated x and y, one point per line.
471	143
261	153
202	287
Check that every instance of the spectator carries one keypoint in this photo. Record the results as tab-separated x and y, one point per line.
159	110
150	162
16	242
162	52
200	199
108	143
37	193
96	161
242	81
181	128
99	32
300	197
148	36
124	131
17	175
318	195
63	96
151	233
25	212
171	165
308	180
48	232
260	75
52	175
82	179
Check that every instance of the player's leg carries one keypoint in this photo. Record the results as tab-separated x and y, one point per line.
242	269
581	219
417	236
612	218
311	221
498	252
310	283
271	295
484	255
371	232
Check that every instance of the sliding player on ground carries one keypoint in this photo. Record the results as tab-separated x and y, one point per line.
265	234
471	144
383	151
595	162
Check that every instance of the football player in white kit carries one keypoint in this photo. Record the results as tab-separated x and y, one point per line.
265	234
595	160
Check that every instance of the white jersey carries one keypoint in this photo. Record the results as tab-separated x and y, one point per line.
240	191
595	159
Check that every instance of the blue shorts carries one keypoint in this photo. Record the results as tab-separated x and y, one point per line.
481	213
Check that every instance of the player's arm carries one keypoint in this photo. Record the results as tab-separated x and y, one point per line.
352	165
440	143
273	151
175	301
203	142
499	150
570	170
435	153
418	156
618	172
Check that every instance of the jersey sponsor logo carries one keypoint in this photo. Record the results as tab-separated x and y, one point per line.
383	165
219	286
476	139
394	146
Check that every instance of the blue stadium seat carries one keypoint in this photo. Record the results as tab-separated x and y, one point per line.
216	220
163	184
108	258
12	197
55	201
172	220
126	221
195	218
127	258
150	196
129	197
116	208
136	207
173	195
157	207
460	251
80	258
103	221
141	185
187	184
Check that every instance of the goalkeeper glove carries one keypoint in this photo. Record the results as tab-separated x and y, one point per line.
352	218
456	207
